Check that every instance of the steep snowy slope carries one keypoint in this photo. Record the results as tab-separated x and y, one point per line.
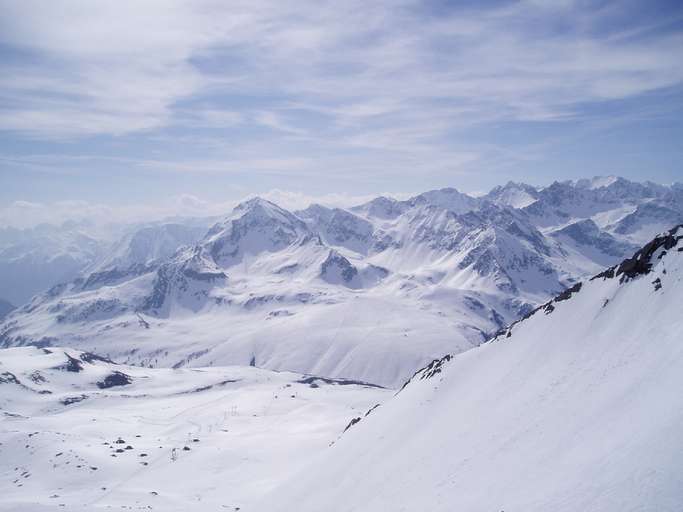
81	433
577	407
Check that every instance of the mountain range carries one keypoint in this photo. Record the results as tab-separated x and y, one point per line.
368	292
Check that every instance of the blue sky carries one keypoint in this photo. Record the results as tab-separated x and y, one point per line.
161	106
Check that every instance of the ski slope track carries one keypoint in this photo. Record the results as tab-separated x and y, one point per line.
576	407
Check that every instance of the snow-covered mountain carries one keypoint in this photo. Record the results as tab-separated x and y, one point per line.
33	260
516	195
576	407
608	202
148	245
368	293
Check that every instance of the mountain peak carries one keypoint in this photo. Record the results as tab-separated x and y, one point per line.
448	198
516	195
258	204
598	182
381	207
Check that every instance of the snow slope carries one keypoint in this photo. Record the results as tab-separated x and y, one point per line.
576	407
81	433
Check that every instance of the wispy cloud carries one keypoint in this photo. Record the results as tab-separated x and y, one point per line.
351	88
115	67
22	214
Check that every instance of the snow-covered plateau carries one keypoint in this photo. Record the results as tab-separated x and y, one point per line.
78	432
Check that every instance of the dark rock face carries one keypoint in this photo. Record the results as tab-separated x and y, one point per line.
337	262
38	377
641	262
352	423
115	379
434	367
72	365
209	277
89	357
429	371
565	295
72	399
8	378
312	380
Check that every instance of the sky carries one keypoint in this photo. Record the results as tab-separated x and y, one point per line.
187	106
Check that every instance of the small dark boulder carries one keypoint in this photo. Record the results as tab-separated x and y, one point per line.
72	399
8	378
72	365
352	423
89	357
115	379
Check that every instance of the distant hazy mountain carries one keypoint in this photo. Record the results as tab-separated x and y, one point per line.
34	260
5	308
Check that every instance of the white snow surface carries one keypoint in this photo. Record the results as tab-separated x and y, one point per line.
246	430
580	408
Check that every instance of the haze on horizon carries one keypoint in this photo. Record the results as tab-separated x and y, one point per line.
177	106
